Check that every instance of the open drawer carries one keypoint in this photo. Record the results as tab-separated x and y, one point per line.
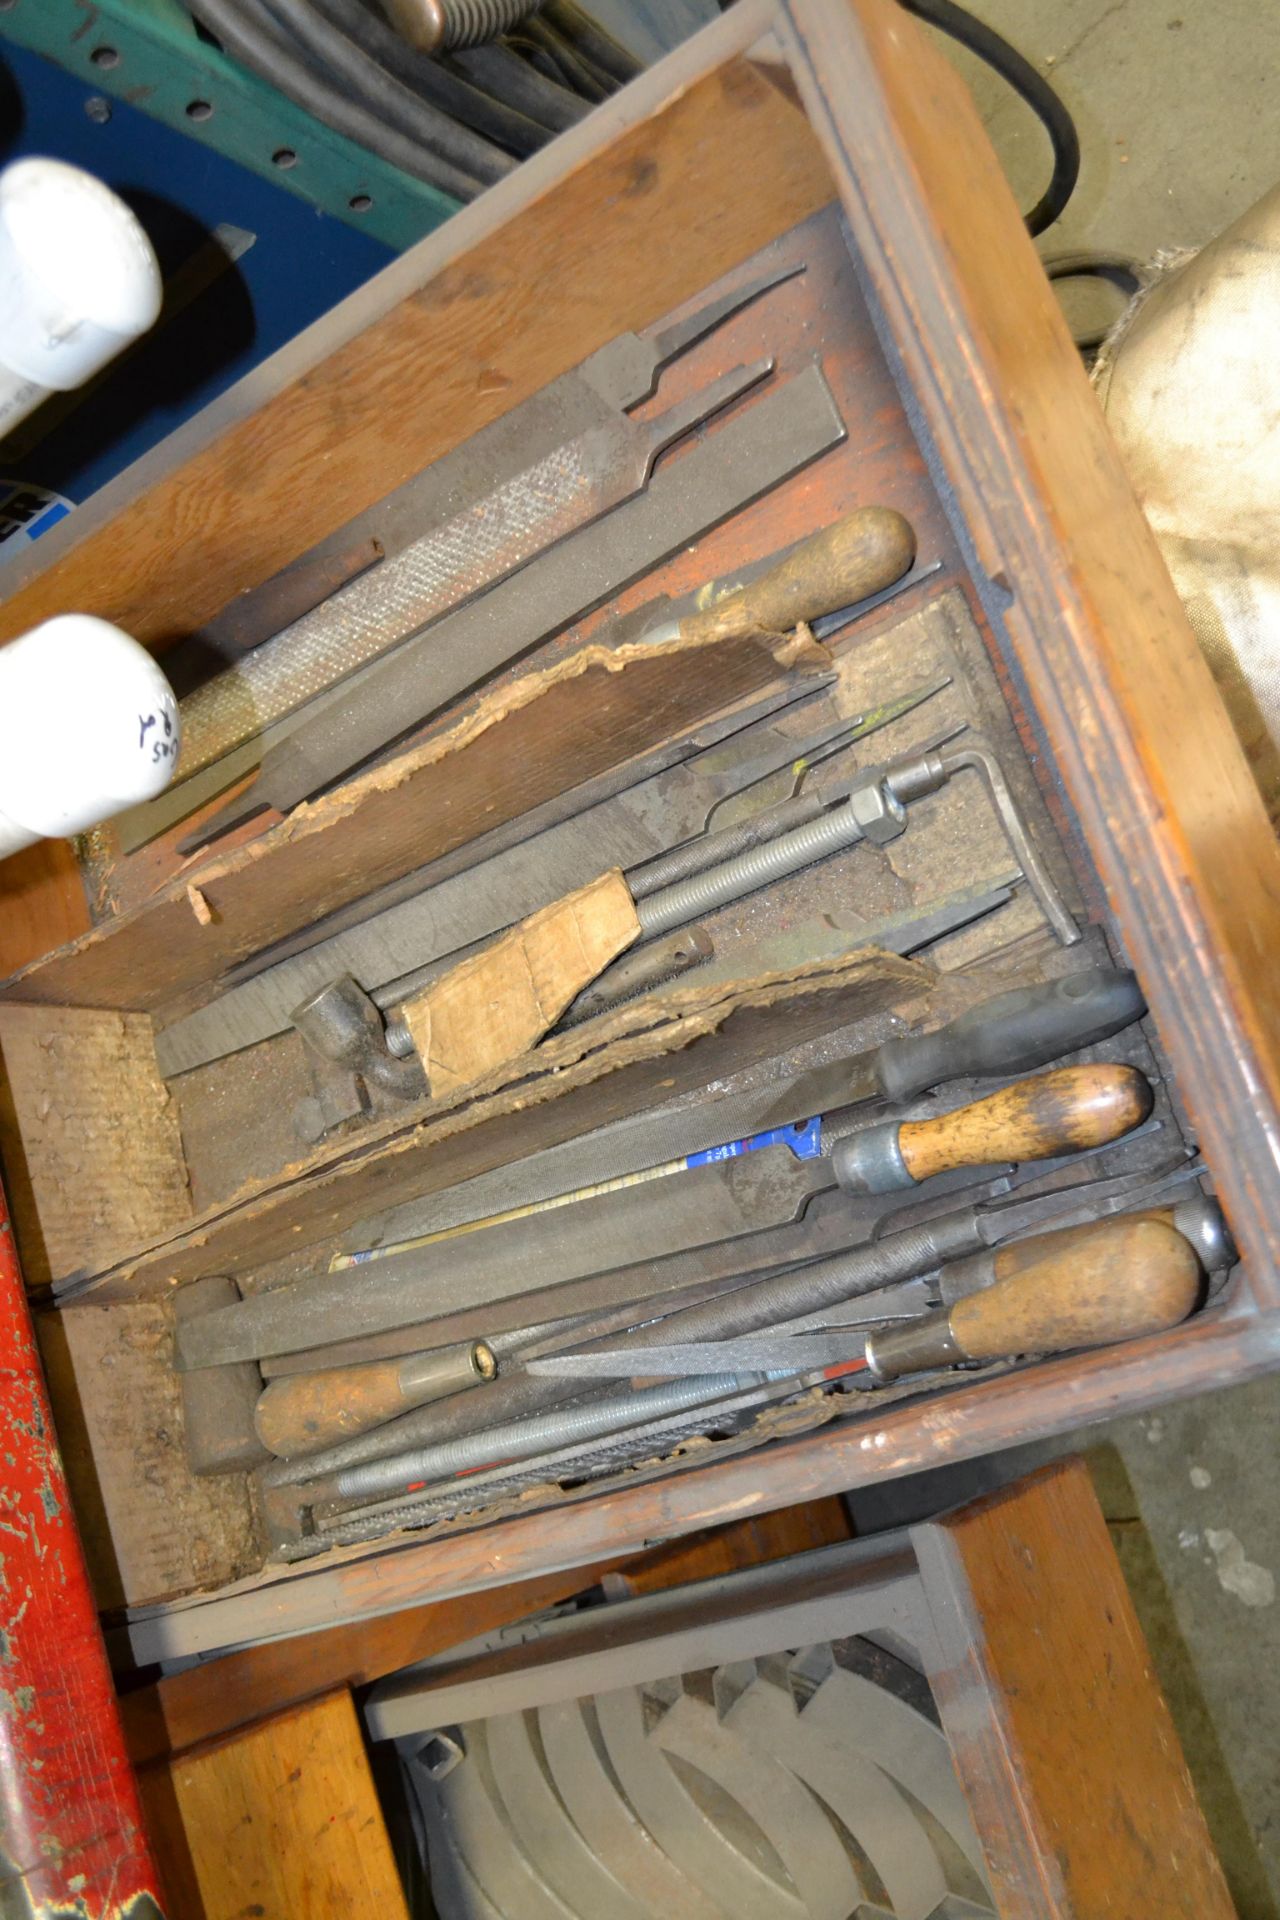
821	134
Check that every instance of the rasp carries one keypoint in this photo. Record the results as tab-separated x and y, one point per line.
754	450
793	1353
565	455
1012	1033
741	1187
617	1301
476	542
390	952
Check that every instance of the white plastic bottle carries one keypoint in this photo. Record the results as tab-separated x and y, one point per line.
78	281
88	726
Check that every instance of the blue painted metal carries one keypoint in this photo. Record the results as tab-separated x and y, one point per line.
299	264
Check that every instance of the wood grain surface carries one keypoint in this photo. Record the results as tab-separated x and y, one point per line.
1064	1111
202	1702
848	561
1058	1729
1138	1277
742	1543
311	1410
42	903
92	1149
280	1822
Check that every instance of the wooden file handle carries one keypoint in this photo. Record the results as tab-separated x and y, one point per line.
302	1412
1066	1111
1138	1276
860	555
1130	1276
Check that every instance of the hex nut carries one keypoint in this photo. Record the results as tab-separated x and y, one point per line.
878	814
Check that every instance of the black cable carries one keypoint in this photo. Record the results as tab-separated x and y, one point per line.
245	30
541	43
585	33
434	81
352	69
511	78
990	47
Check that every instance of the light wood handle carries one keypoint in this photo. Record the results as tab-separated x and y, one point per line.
1020	1255
1137	1276
860	555
1066	1111
302	1412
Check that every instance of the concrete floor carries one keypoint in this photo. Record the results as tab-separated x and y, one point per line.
1177	111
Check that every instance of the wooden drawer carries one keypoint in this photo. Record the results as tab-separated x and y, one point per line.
967	408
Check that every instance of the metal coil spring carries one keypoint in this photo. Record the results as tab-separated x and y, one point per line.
470	23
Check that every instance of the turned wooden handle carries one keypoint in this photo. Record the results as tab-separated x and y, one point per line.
1066	1111
302	1412
860	555
1134	1277
1021	1255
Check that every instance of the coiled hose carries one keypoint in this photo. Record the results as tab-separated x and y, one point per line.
961	26
459	121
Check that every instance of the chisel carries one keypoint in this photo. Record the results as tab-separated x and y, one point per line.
386	699
739	1188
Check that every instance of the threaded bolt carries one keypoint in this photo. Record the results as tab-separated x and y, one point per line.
872	813
446	26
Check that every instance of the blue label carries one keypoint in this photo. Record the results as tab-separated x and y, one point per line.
804	1140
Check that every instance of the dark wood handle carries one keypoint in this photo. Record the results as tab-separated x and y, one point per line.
1066	1111
303	1412
860	555
1134	1277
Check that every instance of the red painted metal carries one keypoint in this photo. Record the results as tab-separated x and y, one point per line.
72	1843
